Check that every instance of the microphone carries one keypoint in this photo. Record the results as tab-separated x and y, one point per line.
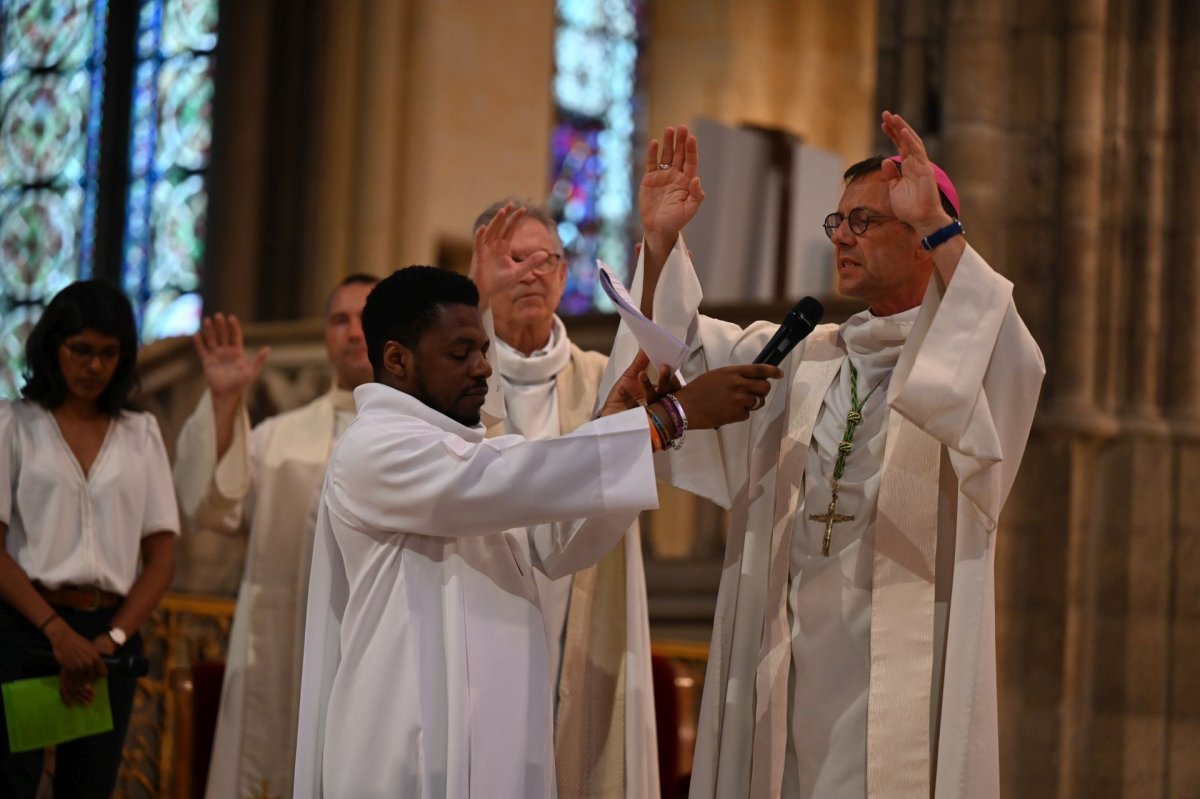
126	663
798	323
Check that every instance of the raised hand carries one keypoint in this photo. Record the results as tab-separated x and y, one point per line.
670	193
222	352
726	395
633	387
493	267
912	188
627	392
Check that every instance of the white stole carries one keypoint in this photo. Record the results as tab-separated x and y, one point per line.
899	753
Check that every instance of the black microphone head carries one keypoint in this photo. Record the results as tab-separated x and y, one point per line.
798	323
810	310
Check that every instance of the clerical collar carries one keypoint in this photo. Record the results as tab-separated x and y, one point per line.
866	334
540	366
342	399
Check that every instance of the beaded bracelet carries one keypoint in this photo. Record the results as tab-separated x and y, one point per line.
678	417
659	435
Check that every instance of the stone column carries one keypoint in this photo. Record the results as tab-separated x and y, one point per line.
973	135
329	212
1183	372
1140	517
374	246
1183	381
1073	382
1083	59
1147	204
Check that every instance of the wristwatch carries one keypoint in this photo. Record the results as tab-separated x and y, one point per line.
118	636
942	235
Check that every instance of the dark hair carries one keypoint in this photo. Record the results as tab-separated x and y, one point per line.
874	164
403	305
358	278
84	305
532	211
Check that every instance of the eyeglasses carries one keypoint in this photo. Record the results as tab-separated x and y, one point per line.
82	354
859	218
553	259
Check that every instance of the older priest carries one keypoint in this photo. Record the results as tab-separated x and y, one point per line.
853	649
425	663
597	622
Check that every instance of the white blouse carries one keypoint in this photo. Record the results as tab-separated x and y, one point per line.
64	527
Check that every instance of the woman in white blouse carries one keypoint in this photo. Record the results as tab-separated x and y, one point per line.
85	495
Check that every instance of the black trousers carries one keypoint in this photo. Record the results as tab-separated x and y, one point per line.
85	768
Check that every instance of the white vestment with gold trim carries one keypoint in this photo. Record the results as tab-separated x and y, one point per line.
960	402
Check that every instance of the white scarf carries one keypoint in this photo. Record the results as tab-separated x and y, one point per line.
531	403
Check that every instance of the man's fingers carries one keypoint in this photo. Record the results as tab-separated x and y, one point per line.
679	151
652	156
691	159
235	332
260	360
902	134
759	371
209	337
535	259
517	270
639	363
667	155
220	329
510	225
491	231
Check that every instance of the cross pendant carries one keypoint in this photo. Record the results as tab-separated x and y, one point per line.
830	517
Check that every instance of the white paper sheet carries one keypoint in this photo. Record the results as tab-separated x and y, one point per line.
662	346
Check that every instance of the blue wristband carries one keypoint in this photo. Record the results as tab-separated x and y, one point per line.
942	235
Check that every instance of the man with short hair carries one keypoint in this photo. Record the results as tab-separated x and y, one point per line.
231	479
425	658
853	649
597	623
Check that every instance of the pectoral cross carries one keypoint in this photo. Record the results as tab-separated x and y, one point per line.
830	517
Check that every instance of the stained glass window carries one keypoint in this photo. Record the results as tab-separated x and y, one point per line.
51	91
171	136
55	86
592	158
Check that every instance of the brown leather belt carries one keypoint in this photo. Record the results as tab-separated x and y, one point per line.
79	597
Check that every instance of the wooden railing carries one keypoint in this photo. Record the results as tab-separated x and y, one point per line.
183	630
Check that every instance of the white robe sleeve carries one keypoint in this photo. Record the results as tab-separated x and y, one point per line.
969	376
328	592
435	483
564	548
211	494
711	463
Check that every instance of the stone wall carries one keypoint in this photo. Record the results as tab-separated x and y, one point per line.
1071	130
